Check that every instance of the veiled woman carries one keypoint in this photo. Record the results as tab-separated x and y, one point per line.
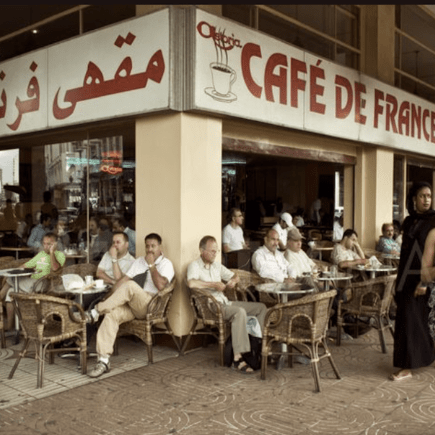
413	344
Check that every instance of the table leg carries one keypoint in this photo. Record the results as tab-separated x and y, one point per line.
17	321
283	358
320	255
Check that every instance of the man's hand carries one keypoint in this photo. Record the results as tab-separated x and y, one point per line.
113	252
150	258
289	280
53	248
219	286
361	261
231	283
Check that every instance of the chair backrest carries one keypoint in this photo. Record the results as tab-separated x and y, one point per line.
82	269
304	319
374	293
40	313
242	289
205	306
159	304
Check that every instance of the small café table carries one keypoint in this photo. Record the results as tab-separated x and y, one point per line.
383	268
17	250
320	249
328	277
80	293
15	274
286	292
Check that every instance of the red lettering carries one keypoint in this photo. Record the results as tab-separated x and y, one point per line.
360	103
271	79
404	117
432	127
426	115
379	110
315	89
248	51
391	113
415	120
340	111
297	84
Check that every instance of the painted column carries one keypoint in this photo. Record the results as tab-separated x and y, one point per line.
178	193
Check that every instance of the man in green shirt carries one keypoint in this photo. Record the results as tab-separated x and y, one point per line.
46	261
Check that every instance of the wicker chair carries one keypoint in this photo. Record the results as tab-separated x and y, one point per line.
372	299
243	289
46	320
156	315
301	323
208	320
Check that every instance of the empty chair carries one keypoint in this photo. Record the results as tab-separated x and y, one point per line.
46	320
372	299
302	324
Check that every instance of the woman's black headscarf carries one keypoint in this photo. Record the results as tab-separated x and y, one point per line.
415	188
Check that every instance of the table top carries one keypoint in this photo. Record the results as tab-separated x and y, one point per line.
328	276
321	248
20	272
391	256
86	290
284	288
382	268
16	248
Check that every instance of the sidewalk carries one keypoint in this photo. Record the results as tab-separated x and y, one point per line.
194	395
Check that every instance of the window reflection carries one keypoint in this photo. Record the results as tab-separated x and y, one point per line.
81	180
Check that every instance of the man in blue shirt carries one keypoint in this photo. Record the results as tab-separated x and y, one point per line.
38	232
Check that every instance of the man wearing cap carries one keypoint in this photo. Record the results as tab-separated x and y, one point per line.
299	261
281	227
269	262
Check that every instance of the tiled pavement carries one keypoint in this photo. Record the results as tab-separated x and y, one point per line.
193	395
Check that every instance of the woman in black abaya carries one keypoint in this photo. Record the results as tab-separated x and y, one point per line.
413	344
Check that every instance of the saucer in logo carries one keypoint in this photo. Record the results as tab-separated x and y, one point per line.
219	97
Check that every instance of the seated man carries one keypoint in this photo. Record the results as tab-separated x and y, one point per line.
269	262
121	224
232	234
46	261
299	261
281	227
386	243
128	299
206	273
116	261
35	238
348	253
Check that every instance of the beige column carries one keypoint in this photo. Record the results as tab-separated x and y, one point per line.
373	193
178	192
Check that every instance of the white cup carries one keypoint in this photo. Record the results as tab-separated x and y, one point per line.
223	78
99	283
89	279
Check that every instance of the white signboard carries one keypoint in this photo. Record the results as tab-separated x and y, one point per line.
117	71
242	72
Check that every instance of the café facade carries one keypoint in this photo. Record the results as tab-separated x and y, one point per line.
161	110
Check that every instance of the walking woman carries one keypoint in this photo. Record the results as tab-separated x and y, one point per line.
413	344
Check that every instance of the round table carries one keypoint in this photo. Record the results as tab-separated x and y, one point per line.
327	277
80	292
384	268
320	249
16	249
16	273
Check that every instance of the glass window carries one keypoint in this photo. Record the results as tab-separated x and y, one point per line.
82	179
398	189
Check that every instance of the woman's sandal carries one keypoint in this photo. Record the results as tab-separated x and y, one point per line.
401	375
242	366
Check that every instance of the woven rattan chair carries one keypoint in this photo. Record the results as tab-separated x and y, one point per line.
243	291
156	317
207	320
46	320
371	299
301	323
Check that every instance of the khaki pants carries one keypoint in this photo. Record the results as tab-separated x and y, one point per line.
237	313
127	303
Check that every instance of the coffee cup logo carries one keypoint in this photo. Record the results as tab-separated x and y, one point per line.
223	78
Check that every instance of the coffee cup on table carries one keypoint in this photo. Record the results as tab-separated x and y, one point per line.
89	279
99	283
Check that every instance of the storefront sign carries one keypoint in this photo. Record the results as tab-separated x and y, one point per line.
117	71
242	72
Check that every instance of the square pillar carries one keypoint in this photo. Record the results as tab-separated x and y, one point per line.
178	193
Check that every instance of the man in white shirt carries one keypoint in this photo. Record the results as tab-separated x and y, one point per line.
348	252
299	261
120	224
206	273
129	300
116	261
232	234
269	262
281	227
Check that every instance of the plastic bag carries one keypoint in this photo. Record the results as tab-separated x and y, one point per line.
72	281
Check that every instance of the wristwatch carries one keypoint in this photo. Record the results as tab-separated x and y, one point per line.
114	260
